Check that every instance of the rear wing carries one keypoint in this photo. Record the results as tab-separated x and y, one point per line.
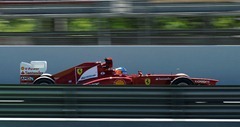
33	68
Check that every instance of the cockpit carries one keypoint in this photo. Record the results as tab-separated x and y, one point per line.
108	64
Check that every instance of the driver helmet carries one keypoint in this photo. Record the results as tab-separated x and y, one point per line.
121	70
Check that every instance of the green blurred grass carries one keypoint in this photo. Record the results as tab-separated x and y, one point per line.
122	23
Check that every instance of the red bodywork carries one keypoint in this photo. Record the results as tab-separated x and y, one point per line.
98	73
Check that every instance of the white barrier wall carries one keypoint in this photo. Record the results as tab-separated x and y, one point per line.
218	62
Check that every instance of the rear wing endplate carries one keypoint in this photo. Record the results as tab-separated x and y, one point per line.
33	68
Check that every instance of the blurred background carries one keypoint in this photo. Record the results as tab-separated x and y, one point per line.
120	22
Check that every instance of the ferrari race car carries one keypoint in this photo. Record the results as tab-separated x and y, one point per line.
102	73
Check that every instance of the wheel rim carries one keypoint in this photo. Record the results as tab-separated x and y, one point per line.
182	84
44	83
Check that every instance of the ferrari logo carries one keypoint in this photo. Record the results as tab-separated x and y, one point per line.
79	71
147	81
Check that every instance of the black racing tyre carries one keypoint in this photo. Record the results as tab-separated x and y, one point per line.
43	81
182	82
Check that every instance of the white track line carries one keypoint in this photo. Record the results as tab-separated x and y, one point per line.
231	102
11	101
119	120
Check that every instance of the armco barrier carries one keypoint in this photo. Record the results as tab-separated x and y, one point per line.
62	101
108	8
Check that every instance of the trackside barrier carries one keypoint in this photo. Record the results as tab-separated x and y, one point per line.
61	101
110	8
125	37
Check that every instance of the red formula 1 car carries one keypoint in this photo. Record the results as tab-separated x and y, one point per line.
102	73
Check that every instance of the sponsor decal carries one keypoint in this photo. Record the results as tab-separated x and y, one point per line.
25	78
31	69
163	78
94	84
79	71
88	74
202	81
147	81
119	82
102	73
33	73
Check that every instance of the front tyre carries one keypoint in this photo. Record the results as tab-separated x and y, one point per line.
44	81
182	82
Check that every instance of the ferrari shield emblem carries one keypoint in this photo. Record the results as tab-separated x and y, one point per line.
79	71
147	81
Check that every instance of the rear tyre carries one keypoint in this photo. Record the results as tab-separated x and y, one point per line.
182	82
44	81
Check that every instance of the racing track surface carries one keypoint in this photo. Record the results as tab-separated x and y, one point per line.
59	106
218	62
